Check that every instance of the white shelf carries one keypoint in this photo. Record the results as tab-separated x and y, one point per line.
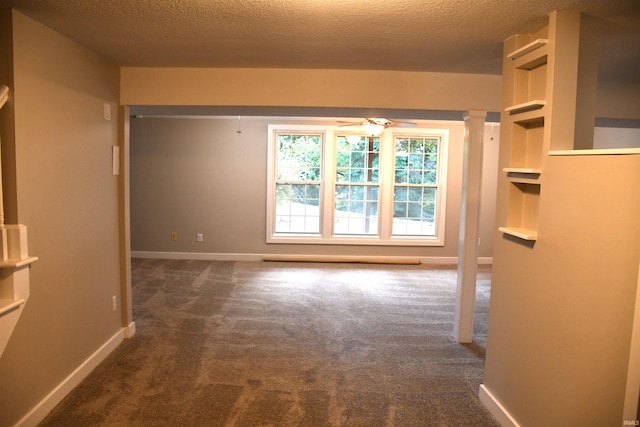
17	263
8	305
527	48
531	171
521	233
526	106
523	175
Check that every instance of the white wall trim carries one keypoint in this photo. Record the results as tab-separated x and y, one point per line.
260	257
205	256
46	405
129	330
496	409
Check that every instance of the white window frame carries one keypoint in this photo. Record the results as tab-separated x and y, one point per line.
386	180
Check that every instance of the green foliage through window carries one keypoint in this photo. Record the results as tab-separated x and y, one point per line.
298	178
357	187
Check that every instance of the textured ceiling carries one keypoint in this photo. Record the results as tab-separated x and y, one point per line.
414	35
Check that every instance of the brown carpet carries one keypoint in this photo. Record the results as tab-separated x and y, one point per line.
288	344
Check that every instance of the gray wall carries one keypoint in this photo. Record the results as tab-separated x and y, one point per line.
200	176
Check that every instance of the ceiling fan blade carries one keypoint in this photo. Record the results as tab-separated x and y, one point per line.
379	121
345	124
402	124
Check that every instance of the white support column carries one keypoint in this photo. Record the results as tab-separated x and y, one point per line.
469	222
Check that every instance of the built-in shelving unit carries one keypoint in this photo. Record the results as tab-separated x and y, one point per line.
522	213
540	77
526	74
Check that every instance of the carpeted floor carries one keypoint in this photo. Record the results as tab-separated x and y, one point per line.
288	344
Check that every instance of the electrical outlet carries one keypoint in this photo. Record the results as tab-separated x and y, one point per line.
199	237
174	236
114	303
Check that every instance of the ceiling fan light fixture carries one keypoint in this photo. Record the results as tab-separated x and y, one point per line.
353	139
372	129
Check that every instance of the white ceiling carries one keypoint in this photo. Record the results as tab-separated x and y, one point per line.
414	35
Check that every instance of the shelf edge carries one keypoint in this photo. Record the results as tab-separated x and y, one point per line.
526	106
7	306
527	48
531	171
522	233
17	263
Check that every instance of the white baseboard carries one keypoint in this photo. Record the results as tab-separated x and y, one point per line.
260	257
496	409
129	330
46	405
197	256
452	260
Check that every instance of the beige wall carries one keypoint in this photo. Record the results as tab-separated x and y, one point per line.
200	176
562	310
68	199
310	88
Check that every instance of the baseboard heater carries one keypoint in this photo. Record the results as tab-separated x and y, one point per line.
343	259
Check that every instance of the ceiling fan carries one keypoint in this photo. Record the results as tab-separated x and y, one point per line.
375	125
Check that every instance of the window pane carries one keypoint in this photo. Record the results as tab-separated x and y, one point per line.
356	203
401	193
402	145
431	146
297	208
417	215
298	176
357	159
415	194
356	209
298	158
356	192
357	162
416	179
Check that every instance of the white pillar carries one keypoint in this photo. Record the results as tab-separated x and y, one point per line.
469	222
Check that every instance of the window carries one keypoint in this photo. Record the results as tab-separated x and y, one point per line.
415	186
331	186
357	190
298	179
